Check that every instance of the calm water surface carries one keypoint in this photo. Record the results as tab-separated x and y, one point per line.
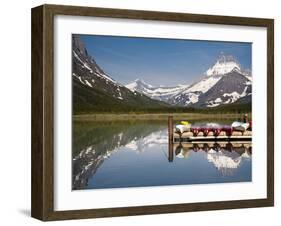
132	154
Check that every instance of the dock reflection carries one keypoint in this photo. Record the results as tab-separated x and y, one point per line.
225	156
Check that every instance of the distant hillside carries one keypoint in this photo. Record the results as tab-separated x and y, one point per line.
88	100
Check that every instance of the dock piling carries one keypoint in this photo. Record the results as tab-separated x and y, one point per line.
171	138
170	128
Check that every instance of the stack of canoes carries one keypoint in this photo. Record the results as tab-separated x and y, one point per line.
236	128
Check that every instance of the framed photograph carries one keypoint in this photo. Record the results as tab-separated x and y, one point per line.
141	112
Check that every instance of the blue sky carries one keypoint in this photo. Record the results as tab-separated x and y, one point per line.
160	61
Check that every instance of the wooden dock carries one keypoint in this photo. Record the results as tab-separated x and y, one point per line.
189	137
186	137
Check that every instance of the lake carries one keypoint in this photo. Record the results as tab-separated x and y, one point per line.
117	154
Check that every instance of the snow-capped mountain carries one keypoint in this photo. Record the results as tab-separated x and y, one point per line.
229	89
191	94
94	90
225	82
224	65
86	70
158	93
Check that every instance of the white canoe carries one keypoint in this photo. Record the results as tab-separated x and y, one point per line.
240	126
182	128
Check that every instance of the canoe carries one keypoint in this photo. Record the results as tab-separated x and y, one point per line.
240	126
182	128
223	135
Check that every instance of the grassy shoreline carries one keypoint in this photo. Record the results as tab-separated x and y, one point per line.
154	116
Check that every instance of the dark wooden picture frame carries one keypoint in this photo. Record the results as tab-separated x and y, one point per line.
43	107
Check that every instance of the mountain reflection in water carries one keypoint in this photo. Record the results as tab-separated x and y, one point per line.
226	157
112	155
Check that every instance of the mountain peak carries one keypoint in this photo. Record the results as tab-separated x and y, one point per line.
78	45
224	65
137	84
226	58
139	81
